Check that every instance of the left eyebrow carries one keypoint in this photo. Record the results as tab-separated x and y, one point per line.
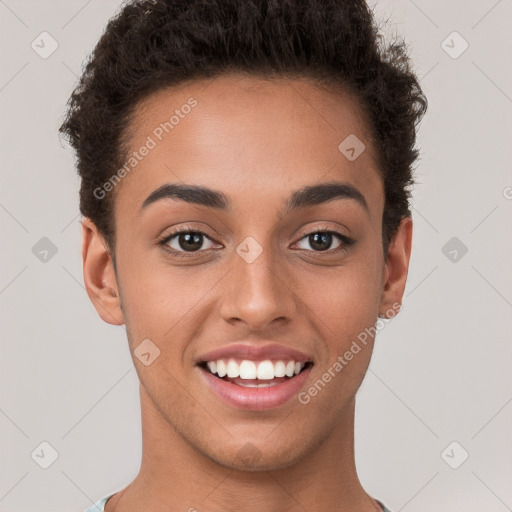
310	195
313	195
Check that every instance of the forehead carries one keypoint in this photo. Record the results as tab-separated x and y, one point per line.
251	137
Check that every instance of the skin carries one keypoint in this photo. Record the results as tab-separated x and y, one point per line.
256	140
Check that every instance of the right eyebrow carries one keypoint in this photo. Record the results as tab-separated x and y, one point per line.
195	194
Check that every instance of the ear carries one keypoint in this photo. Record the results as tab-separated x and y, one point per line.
99	276
395	269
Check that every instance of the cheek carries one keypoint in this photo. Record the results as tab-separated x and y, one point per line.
345	301
163	303
345	309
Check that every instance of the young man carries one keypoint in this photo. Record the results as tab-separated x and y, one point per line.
245	169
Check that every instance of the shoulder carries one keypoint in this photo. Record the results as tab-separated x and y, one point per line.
99	506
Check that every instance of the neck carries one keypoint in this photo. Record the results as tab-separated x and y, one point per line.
175	476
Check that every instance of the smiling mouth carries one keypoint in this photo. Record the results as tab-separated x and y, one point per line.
255	374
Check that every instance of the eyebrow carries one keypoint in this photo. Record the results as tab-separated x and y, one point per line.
311	195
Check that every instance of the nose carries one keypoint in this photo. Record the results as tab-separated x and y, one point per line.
258	293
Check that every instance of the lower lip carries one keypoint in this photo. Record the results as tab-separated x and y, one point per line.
256	399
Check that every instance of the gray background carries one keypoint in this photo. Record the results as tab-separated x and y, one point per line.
441	369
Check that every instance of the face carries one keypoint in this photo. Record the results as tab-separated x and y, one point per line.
268	269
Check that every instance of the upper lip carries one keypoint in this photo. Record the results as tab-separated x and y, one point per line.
271	351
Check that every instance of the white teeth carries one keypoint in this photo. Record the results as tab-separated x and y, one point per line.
266	370
233	369
221	368
247	369
262	385
279	369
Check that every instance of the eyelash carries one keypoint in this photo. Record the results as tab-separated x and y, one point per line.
346	242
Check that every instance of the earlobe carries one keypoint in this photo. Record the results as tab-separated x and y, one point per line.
396	269
99	276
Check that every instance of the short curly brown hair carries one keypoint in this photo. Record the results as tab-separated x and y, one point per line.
154	44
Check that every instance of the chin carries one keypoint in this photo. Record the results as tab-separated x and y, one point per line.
254	456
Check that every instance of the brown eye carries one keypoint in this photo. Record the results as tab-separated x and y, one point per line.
186	240
189	241
322	241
